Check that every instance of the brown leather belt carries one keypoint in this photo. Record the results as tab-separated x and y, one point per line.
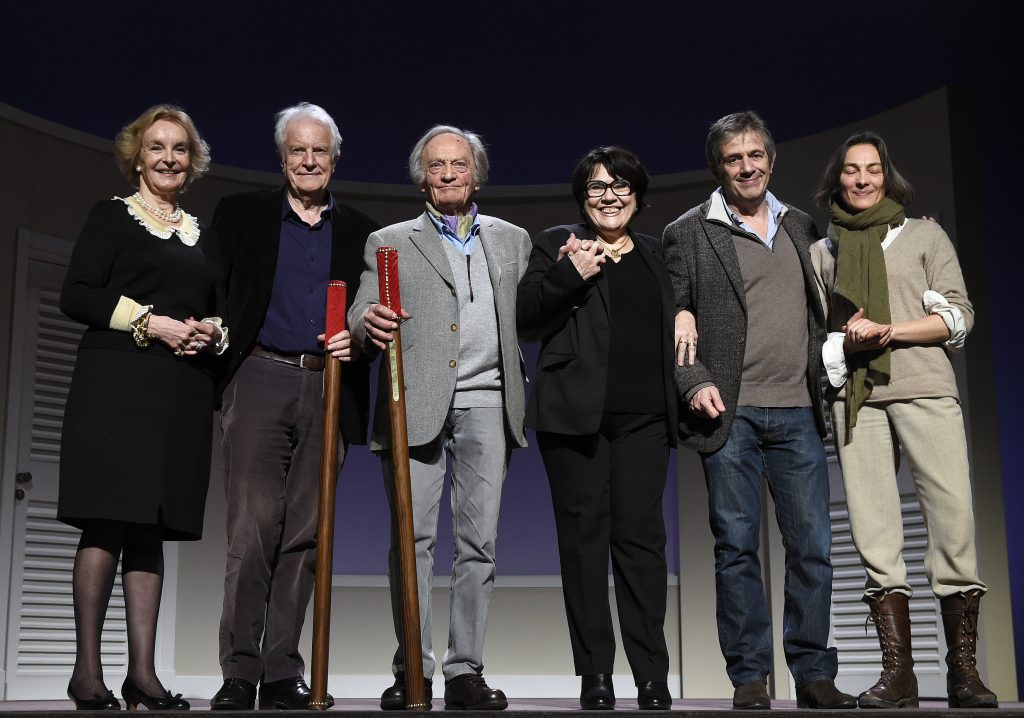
313	362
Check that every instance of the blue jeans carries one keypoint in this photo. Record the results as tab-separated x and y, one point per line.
783	446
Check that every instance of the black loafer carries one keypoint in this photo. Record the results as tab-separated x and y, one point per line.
237	694
823	695
653	696
470	692
393	698
287	694
597	692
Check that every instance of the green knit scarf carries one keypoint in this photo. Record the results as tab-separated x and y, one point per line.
862	281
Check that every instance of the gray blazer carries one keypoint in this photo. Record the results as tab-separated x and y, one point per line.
429	343
705	273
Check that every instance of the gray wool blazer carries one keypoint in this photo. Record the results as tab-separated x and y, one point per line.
429	344
705	273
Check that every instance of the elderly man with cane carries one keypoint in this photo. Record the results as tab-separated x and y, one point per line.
464	393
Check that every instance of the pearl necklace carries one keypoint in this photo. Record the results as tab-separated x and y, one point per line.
168	217
614	251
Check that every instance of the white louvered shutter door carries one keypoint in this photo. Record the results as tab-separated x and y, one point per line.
41	632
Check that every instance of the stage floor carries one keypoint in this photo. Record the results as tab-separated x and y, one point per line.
532	708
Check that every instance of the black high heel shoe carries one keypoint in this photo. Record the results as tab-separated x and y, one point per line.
133	695
96	703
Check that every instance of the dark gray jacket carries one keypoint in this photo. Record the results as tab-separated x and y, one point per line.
705	273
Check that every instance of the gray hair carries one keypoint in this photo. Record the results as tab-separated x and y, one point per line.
481	166
728	127
313	112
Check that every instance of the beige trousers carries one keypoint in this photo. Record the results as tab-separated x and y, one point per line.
931	435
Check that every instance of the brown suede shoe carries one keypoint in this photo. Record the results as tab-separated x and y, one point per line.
751	696
823	695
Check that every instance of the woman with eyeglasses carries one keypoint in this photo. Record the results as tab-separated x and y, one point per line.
598	297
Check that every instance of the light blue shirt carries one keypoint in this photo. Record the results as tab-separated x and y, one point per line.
776	210
449	234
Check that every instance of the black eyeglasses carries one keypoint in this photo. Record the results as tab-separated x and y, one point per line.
620	188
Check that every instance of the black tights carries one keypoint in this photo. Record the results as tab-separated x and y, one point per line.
142	575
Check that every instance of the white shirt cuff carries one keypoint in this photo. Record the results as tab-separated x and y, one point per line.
221	346
935	303
834	359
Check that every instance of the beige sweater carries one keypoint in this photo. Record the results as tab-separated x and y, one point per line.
920	258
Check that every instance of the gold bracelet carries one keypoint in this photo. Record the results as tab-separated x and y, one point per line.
140	330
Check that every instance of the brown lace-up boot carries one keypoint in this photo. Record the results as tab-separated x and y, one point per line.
960	622
897	686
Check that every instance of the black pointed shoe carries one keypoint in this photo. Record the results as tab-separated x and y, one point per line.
237	694
393	698
597	692
133	696
287	694
653	696
97	702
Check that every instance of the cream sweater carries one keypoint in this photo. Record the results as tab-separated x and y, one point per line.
920	258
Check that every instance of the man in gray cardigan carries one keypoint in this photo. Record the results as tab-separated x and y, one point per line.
458	271
740	265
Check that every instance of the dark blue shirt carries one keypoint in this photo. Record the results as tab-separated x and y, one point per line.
298	300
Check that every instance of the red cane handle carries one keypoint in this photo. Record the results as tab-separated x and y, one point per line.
335	307
387	279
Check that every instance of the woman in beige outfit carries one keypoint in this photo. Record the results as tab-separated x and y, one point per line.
896	305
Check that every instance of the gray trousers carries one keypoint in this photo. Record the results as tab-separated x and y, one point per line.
476	441
272	421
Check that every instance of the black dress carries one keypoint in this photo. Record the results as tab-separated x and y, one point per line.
138	422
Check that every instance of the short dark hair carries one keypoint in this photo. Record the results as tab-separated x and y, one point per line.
725	128
620	163
896	186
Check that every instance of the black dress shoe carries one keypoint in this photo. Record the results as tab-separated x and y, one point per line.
287	694
653	696
470	692
823	695
237	694
393	698
98	702
133	695
752	695
597	692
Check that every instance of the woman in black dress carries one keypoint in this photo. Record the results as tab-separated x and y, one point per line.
598	297
135	450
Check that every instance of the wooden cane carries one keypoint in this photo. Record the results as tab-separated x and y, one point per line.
391	297
325	514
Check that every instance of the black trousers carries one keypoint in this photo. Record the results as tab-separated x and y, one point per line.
607	491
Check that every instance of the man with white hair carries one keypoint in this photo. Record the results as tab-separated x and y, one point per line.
279	249
458	272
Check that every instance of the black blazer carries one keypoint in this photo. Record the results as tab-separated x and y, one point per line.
249	228
570	317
